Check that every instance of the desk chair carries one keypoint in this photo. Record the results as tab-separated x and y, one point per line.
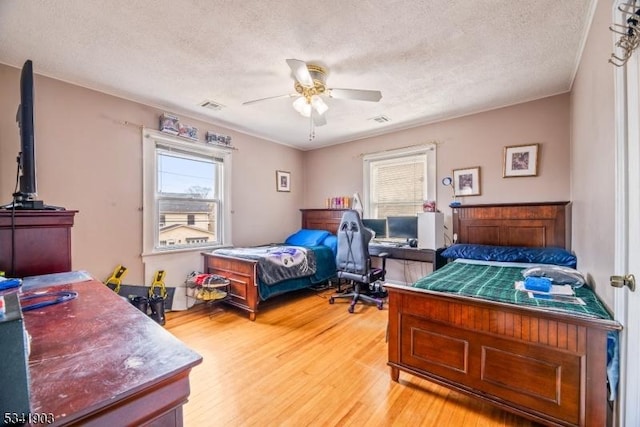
354	263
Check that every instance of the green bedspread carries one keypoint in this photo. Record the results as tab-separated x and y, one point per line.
496	283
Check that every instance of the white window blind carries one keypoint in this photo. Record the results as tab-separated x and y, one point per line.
397	183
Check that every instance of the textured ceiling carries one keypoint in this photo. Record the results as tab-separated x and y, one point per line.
431	59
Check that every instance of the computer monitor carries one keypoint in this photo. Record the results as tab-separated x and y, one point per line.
402	227
379	226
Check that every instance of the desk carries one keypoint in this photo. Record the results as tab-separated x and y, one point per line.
97	360
402	252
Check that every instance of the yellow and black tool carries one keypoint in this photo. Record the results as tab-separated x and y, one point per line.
158	282
115	280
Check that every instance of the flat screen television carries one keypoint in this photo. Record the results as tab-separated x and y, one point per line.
379	226
25	196
402	227
27	133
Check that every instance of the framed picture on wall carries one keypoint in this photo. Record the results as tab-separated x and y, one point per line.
466	182
283	181
520	160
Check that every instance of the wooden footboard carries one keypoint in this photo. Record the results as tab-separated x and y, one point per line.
549	367
242	275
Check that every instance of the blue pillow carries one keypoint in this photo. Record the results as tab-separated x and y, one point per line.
331	241
556	256
305	237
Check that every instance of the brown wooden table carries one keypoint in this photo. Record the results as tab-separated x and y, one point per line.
97	360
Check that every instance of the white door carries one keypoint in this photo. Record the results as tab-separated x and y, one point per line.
627	303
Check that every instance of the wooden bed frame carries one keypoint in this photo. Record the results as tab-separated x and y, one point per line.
243	275
243	272
549	367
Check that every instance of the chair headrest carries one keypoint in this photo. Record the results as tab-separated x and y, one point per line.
352	219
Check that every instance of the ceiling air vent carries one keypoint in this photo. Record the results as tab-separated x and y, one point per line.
381	119
212	105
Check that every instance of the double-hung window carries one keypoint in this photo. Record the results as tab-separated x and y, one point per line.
397	182
185	194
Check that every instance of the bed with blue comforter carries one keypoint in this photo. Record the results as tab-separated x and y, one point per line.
304	259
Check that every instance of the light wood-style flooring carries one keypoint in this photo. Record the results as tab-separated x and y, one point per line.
306	362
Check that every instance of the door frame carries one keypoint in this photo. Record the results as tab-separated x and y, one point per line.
627	145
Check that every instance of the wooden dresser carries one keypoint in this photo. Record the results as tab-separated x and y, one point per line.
322	219
38	240
96	360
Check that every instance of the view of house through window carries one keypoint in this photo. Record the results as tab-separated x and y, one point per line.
188	199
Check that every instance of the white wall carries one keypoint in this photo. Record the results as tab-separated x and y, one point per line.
89	160
592	162
475	140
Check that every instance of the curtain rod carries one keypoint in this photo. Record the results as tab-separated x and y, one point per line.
430	145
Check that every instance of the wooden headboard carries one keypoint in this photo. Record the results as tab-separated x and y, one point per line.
519	224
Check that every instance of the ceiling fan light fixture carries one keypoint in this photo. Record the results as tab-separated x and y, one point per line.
306	110
299	104
320	106
311	90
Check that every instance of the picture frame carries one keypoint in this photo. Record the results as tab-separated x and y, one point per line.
520	160
283	181
169	124
466	182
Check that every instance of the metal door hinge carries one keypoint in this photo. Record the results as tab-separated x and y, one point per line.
621	281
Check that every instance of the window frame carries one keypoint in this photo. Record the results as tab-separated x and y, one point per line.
152	141
429	190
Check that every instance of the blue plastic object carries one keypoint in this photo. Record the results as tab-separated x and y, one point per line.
9	283
538	284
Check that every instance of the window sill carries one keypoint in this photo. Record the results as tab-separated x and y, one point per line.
157	252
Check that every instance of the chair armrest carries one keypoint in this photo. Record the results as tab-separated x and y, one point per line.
384	256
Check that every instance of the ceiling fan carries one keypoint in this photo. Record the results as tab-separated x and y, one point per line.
310	86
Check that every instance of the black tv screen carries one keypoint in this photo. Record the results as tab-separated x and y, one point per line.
402	227
27	135
379	226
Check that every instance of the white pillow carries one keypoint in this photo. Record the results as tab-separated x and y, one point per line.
558	275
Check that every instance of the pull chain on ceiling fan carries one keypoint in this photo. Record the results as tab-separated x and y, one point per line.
310	87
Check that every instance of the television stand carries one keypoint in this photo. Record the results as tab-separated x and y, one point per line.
35	242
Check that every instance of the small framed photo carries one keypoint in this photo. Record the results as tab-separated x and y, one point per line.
520	160
211	137
186	131
283	181
169	124
466	182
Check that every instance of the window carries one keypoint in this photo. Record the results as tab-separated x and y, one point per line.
397	182
185	194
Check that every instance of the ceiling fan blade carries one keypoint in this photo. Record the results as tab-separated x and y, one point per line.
318	119
301	72
290	95
356	94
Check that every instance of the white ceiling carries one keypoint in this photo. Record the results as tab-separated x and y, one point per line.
431	59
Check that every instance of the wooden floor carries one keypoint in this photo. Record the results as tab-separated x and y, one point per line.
306	362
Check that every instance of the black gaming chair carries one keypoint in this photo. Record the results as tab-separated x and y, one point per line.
354	263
